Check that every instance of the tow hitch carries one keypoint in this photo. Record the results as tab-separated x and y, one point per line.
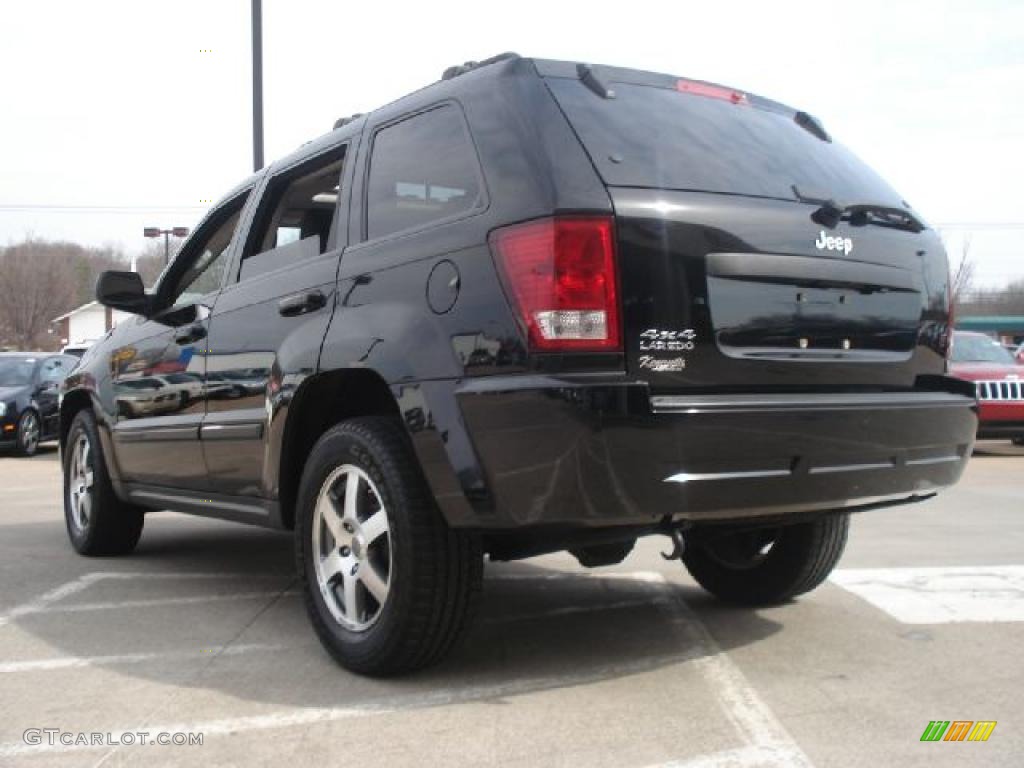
678	543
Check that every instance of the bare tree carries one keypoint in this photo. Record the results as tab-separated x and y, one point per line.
150	262
37	282
1008	300
963	271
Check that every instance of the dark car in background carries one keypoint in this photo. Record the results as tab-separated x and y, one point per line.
536	306
998	378
29	395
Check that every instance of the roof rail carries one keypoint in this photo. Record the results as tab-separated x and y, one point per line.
346	120
469	66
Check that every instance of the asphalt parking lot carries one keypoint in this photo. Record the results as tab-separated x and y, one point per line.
201	630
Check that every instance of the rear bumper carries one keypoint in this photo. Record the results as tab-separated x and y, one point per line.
572	452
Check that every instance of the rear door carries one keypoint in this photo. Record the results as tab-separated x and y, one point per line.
268	324
732	273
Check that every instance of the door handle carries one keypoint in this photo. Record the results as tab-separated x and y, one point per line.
301	303
191	335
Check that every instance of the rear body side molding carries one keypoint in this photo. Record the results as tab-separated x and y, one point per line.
694	404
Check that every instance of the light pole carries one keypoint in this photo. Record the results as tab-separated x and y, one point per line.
156	232
257	84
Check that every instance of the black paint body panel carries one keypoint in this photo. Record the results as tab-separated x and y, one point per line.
718	294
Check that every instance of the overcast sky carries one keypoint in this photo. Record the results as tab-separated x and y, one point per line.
135	113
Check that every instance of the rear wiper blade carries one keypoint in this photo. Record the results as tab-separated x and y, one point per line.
886	215
830	213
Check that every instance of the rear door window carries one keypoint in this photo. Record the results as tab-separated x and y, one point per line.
296	216
422	170
659	137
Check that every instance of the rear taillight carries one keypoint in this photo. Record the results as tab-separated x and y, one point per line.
560	276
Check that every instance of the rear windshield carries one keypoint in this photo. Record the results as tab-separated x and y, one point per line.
662	138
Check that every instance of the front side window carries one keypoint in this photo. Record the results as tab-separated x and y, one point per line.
207	256
54	369
204	275
422	170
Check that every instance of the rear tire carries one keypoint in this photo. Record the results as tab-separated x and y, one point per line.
386	595
98	522
769	565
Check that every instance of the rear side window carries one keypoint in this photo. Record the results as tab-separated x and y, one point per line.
422	170
658	137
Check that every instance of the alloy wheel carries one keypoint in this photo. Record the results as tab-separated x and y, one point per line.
80	482
352	548
29	433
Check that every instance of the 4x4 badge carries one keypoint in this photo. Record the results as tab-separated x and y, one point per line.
661	340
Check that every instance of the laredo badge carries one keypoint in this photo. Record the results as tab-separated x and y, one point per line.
655	340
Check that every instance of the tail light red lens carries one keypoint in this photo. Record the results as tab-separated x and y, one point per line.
560	276
711	91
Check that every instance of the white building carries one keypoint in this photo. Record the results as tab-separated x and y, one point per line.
87	323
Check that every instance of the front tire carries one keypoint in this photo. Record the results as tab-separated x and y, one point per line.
389	587
28	434
767	566
98	522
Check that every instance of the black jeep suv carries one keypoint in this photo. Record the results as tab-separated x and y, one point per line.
535	306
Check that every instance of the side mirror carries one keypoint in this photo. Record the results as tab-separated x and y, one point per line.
124	291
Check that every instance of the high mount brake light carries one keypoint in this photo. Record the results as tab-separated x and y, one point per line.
711	91
560	276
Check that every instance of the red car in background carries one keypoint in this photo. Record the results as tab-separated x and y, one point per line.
999	382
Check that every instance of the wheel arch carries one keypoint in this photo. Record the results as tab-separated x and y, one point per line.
72	402
321	402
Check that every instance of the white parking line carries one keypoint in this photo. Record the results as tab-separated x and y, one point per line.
41	603
382	706
765	738
991	593
158	602
75	662
48	602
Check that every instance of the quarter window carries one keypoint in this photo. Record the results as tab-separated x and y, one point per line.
422	170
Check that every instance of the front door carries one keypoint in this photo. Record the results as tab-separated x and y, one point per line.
157	368
52	371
